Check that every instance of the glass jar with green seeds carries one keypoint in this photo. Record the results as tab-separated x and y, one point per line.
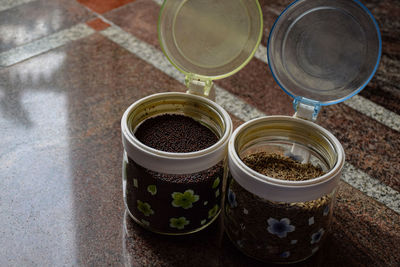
284	171
281	188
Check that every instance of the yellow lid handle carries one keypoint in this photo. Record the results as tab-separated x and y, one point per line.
199	86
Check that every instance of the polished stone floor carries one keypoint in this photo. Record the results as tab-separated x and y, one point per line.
69	69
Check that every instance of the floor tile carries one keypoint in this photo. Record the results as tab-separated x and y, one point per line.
98	24
34	20
8	4
368	228
369	145
44	44
61	151
384	88
102	6
139	18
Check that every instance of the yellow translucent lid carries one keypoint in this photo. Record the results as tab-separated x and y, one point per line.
210	39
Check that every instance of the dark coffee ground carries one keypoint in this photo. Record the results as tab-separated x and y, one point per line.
281	167
175	133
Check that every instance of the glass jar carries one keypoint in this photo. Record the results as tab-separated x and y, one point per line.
278	220
174	193
320	53
180	193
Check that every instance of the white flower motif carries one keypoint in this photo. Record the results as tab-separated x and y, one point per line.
232	199
280	228
314	250
245	211
285	254
316	237
326	210
272	249
293	242
311	221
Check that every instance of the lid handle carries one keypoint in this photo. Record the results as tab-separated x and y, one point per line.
199	86
305	108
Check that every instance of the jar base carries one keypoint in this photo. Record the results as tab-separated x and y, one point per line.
263	260
167	233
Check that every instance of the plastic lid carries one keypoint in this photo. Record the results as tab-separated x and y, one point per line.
323	50
210	39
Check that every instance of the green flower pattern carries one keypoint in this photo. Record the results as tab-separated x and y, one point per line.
184	200
145	208
145	222
216	183
178	223
212	212
152	189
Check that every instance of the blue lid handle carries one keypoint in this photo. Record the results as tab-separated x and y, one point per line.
306	108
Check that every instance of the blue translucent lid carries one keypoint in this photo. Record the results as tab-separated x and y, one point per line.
324	51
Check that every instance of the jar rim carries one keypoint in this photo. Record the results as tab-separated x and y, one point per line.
253	180
130	141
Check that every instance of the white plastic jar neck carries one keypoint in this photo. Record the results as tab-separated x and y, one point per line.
284	190
169	162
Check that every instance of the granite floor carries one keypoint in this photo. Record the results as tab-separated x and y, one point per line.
68	71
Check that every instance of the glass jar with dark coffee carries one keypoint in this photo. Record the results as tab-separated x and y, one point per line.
174	161
175	144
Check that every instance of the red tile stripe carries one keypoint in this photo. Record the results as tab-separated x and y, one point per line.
102	6
98	24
